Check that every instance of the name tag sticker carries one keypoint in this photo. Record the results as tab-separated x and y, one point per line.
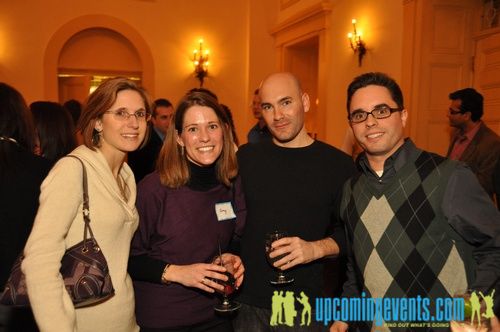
224	211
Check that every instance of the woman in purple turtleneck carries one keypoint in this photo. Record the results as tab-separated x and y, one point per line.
190	205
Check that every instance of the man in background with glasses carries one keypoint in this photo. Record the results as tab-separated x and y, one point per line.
473	142
418	224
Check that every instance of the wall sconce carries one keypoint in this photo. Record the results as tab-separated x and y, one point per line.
357	45
200	63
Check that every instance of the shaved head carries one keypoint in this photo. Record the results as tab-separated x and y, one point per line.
283	106
281	77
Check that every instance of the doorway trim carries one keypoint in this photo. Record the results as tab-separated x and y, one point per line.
311	22
68	30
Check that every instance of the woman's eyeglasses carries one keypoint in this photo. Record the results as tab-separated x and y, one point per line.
122	115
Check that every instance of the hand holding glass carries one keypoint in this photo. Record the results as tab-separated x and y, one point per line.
229	286
281	278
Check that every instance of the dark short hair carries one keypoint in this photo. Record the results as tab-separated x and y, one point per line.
160	102
55	128
230	120
75	109
16	121
375	78
206	91
471	101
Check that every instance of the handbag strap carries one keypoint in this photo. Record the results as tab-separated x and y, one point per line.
86	206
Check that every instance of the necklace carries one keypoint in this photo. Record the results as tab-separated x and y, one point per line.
8	139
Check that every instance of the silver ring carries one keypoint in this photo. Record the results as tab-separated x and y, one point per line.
203	281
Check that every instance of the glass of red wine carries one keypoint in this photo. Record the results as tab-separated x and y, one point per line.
227	305
281	278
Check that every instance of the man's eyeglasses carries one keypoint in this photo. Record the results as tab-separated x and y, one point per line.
380	112
453	112
122	115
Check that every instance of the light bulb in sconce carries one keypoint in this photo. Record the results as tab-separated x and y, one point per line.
200	62
357	44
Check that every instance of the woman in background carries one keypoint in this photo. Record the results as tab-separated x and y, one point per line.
55	130
21	173
190	208
113	122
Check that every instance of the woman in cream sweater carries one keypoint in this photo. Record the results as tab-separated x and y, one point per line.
113	123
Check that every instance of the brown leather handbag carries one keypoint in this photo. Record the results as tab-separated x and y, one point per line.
83	268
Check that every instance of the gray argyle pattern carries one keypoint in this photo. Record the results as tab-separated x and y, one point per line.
402	244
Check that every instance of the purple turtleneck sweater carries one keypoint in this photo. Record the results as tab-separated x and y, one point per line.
179	226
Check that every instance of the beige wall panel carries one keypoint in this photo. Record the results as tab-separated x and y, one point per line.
487	79
448	30
438	137
116	53
302	60
441	62
443	79
74	88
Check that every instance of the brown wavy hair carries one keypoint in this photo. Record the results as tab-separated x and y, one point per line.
172	163
101	101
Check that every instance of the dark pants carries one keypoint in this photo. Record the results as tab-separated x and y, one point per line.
216	325
255	319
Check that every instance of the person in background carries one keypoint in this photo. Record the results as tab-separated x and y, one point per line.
190	208
55	129
229	116
496	183
143	161
113	122
473	142
21	173
418	224
75	109
259	132
291	183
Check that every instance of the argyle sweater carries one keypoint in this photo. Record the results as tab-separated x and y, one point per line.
402	244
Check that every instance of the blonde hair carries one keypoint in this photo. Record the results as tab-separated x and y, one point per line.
172	163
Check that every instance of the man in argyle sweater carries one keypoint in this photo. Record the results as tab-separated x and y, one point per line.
418	224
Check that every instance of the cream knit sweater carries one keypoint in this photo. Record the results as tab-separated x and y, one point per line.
59	225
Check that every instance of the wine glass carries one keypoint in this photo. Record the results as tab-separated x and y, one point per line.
229	286
281	278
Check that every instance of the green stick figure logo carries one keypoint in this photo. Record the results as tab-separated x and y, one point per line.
475	307
283	309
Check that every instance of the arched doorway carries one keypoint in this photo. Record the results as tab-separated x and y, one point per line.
94	47
92	55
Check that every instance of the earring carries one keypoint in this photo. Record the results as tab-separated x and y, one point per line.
182	150
96	137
